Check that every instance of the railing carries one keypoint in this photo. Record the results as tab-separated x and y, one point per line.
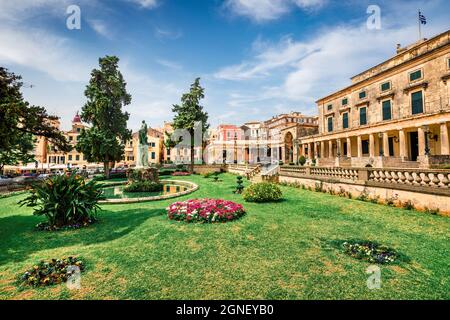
339	173
400	177
293	170
412	177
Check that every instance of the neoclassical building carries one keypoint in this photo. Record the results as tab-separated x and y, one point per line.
261	141
395	114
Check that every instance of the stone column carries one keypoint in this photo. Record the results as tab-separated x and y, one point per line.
372	145
316	149
330	149
349	147
445	148
339	149
322	149
402	143
360	154
386	144
421	134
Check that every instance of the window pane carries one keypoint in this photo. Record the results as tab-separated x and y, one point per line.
415	75
362	94
387	110
417	102
385	86
330	124
363	116
345	120
344	101
329	107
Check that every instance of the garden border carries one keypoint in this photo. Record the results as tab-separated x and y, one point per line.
194	187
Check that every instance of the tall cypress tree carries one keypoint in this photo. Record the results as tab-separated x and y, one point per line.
189	112
106	95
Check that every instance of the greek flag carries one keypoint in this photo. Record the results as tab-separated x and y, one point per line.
422	18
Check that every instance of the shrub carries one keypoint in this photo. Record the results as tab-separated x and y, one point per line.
143	186
66	201
262	192
166	172
302	160
49	273
240	185
370	251
408	205
205	210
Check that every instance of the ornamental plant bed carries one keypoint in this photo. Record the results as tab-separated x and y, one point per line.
47	273
370	251
205	211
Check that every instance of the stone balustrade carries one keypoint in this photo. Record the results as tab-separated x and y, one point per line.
421	180
412	177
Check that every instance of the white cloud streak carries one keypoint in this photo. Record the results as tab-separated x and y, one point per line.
267	10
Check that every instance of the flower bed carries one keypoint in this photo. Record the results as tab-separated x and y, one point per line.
205	211
370	251
50	273
180	174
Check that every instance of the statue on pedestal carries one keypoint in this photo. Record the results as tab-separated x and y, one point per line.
142	160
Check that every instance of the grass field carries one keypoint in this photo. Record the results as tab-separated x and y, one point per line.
282	250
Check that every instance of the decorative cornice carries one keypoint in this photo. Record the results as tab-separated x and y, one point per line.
385	96
409	88
361	104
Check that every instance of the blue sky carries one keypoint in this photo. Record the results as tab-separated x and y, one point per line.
256	58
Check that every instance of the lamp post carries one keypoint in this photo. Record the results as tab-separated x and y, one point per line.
426	129
257	146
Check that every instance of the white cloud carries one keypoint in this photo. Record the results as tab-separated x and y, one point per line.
169	64
168	34
44	52
300	72
101	28
148	4
266	10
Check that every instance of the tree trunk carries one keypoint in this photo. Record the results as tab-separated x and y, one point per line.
2	166
106	166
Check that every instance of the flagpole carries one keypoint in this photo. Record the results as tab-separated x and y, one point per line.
420	27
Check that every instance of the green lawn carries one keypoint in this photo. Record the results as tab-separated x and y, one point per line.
280	250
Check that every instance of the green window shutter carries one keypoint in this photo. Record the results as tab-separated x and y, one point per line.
417	102
386	86
363	116
415	75
330	124
387	113
345	120
362	94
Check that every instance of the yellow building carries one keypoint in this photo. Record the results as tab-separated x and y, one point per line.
395	114
155	148
73	159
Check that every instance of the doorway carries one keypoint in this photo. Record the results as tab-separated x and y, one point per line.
414	145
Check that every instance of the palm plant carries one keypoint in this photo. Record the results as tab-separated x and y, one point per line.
65	200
